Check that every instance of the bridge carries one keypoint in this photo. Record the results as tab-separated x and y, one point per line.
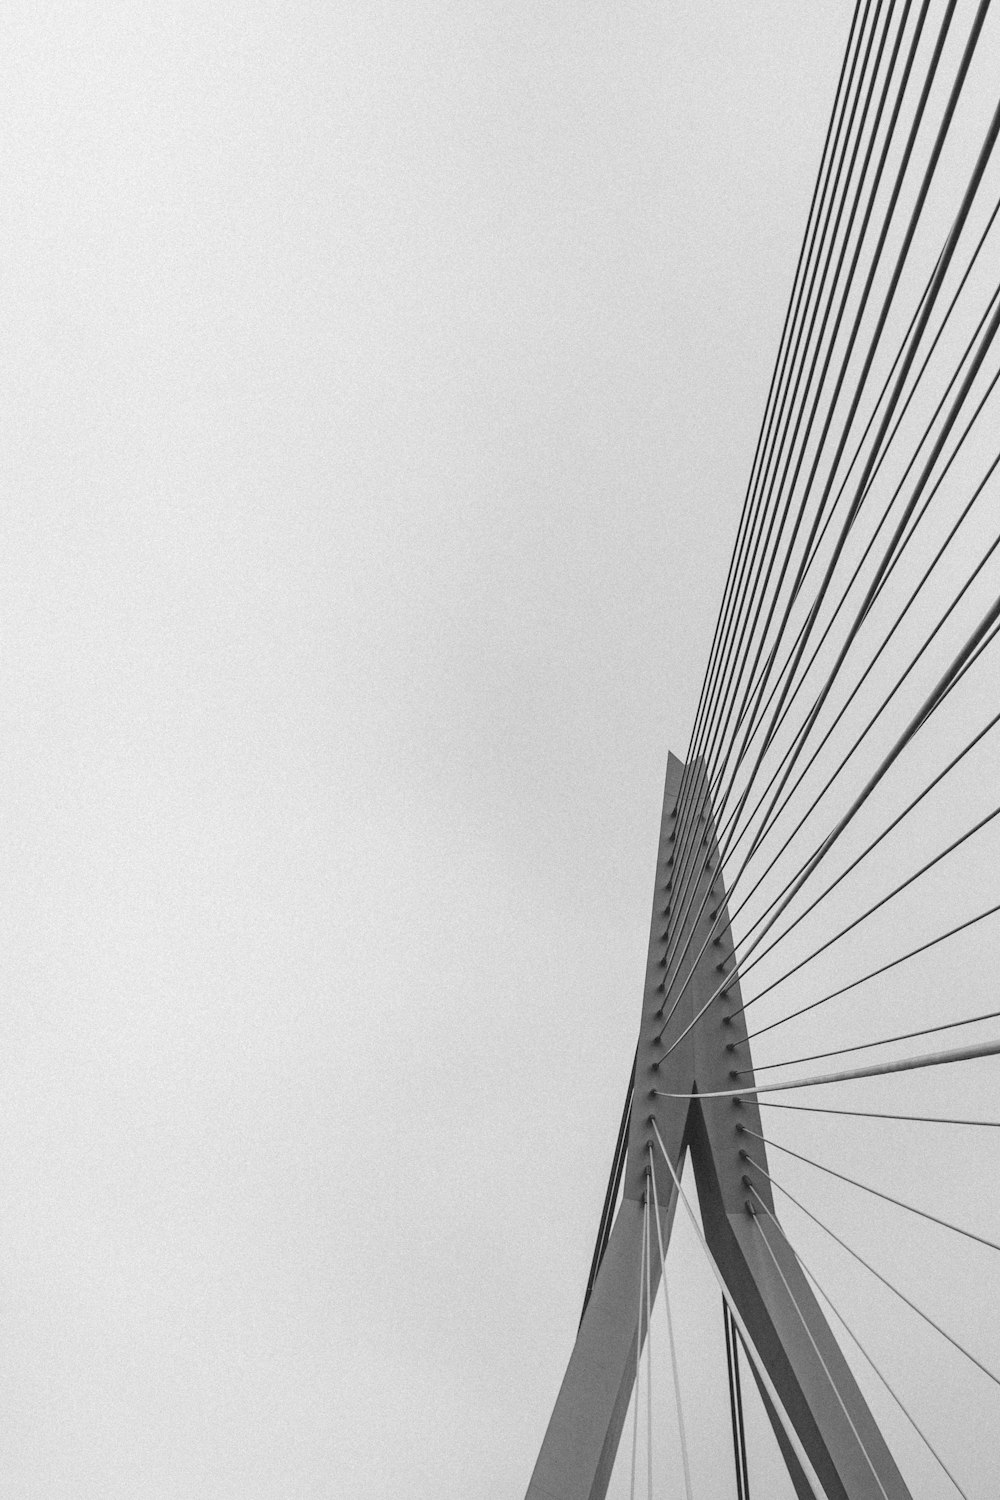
811	994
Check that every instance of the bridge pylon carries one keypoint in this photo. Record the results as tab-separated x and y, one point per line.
791	1340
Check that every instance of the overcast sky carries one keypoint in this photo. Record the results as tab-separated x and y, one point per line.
380	387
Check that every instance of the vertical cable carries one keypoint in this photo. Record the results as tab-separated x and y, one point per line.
670	1334
819	1356
638	1353
836	1311
732	1403
649	1355
794	1441
739	1413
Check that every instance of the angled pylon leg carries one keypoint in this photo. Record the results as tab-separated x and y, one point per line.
787	1327
578	1451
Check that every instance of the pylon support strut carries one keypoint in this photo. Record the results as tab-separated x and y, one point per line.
788	1330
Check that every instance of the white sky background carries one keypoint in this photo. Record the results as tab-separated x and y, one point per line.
381	385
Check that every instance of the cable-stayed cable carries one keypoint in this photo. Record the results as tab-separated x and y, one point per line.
839	1315
865	1187
878	1274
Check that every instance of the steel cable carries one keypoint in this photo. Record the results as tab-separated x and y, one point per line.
937	281
771	818
829	304
838	1314
874	973
874	340
819	1355
651	1181
914	726
867	1188
869	1114
848	1075
905	1036
731	602
764	1379
878	1274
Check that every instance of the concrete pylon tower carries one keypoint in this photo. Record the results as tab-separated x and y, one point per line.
805	1370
